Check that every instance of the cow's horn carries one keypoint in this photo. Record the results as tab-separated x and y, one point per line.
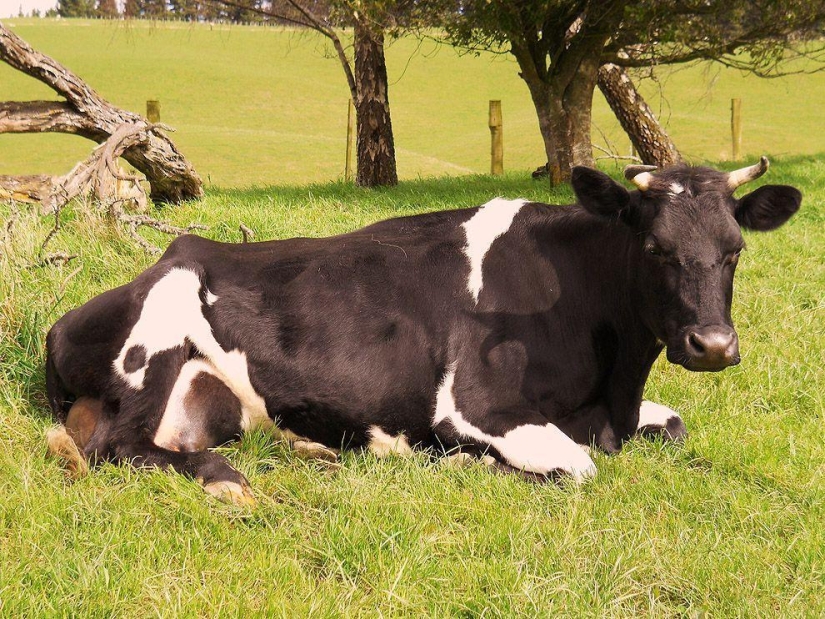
639	175
746	175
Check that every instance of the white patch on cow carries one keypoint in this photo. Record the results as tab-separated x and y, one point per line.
655	415
383	444
531	447
676	188
171	314
490	222
211	298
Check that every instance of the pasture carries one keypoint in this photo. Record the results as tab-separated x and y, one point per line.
727	524
256	106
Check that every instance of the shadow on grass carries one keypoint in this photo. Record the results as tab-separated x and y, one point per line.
457	192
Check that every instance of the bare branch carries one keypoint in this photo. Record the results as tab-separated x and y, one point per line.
308	19
58	258
246	232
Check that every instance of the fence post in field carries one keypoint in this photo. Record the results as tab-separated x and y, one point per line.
153	111
348	164
496	133
736	126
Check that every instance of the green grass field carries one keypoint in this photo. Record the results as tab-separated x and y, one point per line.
260	106
728	524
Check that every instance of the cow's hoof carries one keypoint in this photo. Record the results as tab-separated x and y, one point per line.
62	446
309	450
578	472
231	492
657	420
460	460
577	466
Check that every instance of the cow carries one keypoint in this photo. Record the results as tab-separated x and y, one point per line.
517	332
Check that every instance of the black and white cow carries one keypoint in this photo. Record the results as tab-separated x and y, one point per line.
519	330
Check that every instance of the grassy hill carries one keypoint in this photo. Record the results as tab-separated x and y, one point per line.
263	106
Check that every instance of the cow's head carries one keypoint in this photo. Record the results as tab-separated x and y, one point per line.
687	223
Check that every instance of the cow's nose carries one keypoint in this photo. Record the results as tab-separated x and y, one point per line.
712	348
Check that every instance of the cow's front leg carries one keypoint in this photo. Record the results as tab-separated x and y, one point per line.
659	420
531	446
214	472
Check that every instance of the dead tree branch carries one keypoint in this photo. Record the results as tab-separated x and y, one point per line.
171	177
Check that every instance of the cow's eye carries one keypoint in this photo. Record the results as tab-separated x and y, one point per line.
653	249
733	257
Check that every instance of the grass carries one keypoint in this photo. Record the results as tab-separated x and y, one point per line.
256	106
728	524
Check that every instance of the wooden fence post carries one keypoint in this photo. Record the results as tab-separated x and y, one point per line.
496	134
348	164
736	127
153	111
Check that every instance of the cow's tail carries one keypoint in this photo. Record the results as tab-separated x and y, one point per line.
60	443
59	397
62	446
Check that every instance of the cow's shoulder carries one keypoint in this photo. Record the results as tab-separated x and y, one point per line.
191	247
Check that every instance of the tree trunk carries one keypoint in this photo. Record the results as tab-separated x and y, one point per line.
648	137
171	177
562	94
375	143
564	116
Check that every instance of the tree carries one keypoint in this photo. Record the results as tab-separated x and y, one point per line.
648	137
561	45
131	9
366	74
107	9
76	8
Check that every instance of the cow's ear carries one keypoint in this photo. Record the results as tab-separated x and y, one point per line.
768	207
598	193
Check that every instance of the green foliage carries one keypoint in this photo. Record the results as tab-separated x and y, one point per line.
76	8
762	37
757	36
728	524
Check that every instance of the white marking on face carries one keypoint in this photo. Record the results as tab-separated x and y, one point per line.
383	444
676	188
171	314
655	415
211	298
535	448
490	222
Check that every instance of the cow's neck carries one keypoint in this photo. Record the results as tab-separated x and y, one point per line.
596	264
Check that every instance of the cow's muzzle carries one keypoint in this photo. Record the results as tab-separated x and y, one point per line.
707	349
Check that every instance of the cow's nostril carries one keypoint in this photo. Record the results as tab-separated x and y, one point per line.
695	344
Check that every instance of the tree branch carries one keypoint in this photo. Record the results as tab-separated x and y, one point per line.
307	19
46	116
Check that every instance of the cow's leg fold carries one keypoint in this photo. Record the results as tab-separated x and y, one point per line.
658	420
214	472
532	447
